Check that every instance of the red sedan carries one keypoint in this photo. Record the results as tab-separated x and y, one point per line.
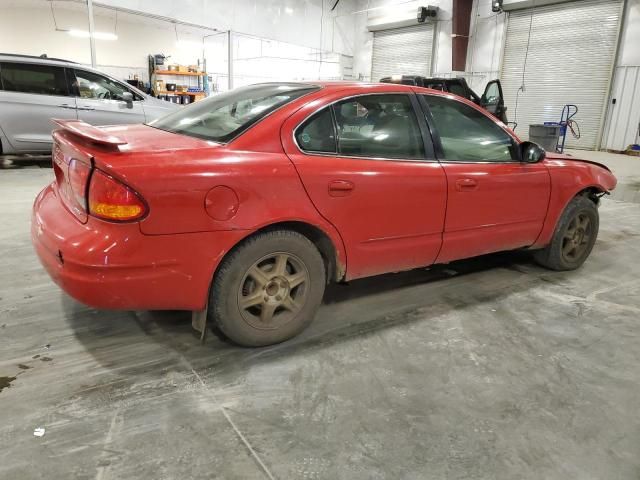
246	204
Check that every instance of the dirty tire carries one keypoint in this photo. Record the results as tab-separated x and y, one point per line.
574	237
268	289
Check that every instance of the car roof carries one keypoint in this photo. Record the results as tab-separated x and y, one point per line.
35	59
350	84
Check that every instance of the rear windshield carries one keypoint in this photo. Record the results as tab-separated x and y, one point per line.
225	116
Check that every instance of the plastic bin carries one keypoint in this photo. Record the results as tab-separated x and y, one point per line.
545	135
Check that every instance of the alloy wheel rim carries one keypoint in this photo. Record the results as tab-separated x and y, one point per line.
273	290
577	237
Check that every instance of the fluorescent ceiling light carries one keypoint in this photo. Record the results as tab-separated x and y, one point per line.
96	35
104	36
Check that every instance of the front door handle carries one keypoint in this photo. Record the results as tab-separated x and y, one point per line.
66	105
86	108
340	188
466	184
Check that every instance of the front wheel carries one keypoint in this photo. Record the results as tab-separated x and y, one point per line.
268	289
574	237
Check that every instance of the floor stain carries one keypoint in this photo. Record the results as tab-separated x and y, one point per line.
22	366
35	356
46	359
5	382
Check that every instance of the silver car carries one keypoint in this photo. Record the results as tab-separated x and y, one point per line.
33	90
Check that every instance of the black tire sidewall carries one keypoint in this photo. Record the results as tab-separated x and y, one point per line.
224	293
579	205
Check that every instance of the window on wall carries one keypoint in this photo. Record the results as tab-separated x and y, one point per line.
467	135
93	86
317	134
378	126
39	79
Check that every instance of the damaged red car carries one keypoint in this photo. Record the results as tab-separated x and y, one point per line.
242	207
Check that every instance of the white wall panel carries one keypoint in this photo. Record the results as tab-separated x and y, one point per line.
623	122
630	42
303	22
141	35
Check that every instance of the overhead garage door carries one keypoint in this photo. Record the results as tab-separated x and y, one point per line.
567	59
402	51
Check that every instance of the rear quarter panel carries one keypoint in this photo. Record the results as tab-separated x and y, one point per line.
177	187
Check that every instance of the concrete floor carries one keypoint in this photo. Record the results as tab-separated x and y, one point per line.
486	369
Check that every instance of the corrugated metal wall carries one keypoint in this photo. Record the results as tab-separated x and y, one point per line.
568	57
402	51
623	118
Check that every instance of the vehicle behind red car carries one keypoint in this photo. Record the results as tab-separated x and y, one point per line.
244	206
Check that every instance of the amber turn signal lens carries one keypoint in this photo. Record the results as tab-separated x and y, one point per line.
111	199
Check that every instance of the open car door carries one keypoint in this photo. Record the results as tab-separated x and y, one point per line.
493	101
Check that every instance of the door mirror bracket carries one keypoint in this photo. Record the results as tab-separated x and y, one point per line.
531	152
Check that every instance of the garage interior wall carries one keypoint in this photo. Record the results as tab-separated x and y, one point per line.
557	55
365	12
137	36
257	58
623	117
402	50
486	51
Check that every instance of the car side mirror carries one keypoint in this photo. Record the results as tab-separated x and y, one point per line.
128	99
531	152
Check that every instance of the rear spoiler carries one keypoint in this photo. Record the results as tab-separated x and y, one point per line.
89	132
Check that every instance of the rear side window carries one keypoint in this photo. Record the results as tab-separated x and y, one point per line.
31	78
317	133
382	126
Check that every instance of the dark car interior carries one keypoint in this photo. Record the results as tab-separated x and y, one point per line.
378	126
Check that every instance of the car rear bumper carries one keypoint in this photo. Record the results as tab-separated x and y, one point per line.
115	266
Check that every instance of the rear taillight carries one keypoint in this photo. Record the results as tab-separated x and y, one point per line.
111	199
78	178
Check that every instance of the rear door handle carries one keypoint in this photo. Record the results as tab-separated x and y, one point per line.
465	184
66	105
340	188
86	108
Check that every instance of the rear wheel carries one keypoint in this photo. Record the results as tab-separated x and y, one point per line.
574	237
268	289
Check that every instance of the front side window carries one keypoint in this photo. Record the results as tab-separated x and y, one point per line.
90	85
467	135
435	85
32	78
317	133
225	116
458	89
378	126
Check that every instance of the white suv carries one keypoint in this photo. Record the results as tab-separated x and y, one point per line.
33	90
